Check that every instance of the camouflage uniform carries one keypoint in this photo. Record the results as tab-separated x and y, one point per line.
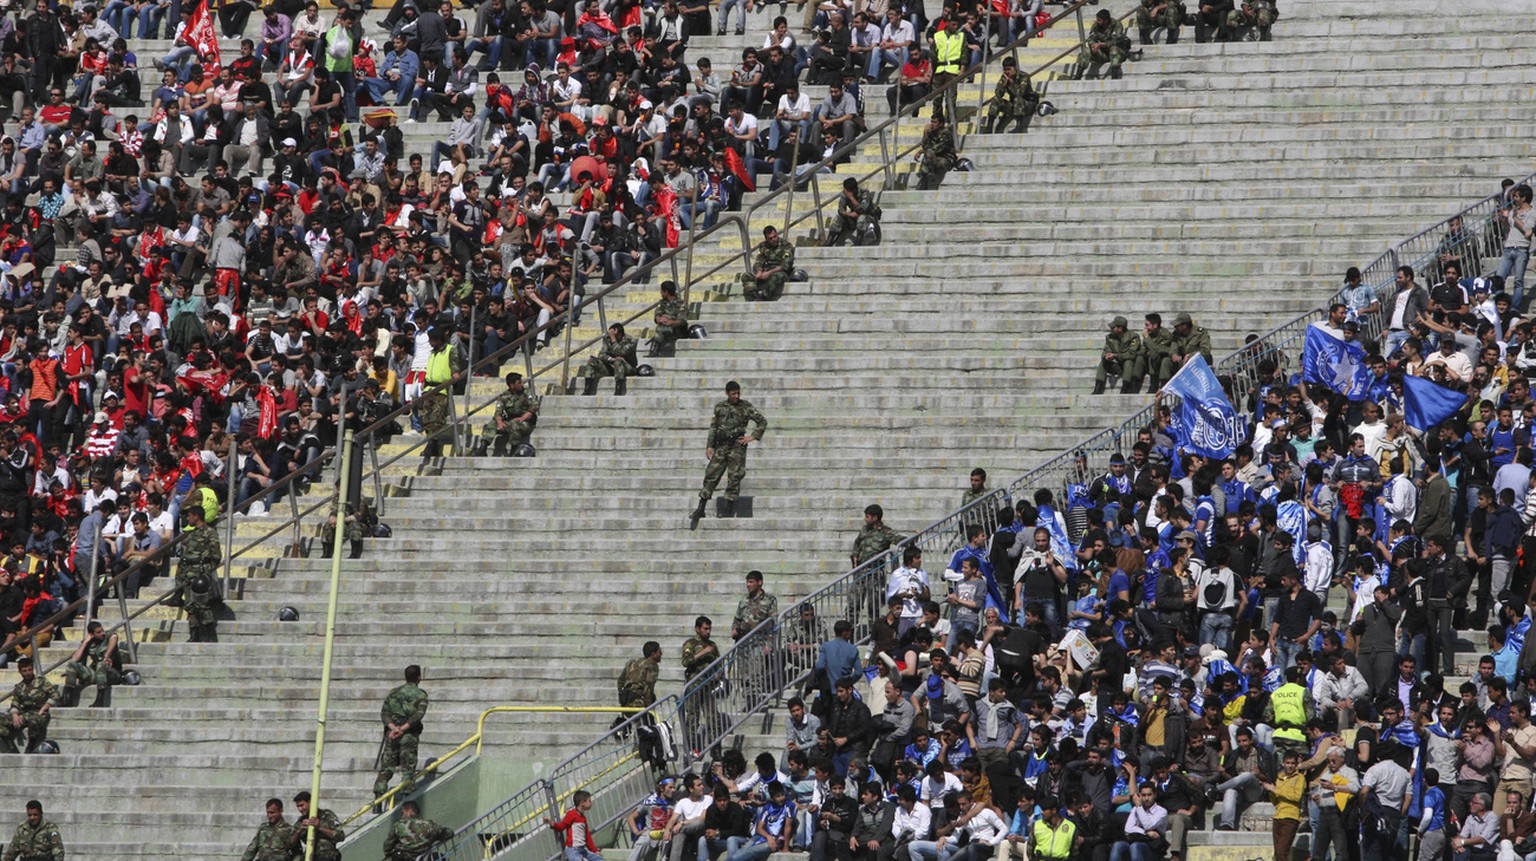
730	457
1107	43
270	843
872	541
751	610
693	663
99	668
1149	18
201	552
325	847
405	704
1128	363
509	406
939	157
853	218
1253	13
782	257
664	335
411	838
1158	347
604	365
27	700
699	709
35	844
1013	99
637	684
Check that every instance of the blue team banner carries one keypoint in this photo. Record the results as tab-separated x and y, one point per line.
1208	424
1426	403
1335	363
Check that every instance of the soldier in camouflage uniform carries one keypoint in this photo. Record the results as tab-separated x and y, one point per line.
727	448
411	836
1187	342
352	529
401	715
1107	43
95	662
517	411
1254	17
875	538
637	683
327	826
699	651
858	215
771	268
615	358
1121	358
1013	99
671	320
271	840
31	701
37	839
754	607
1152	14
938	156
197	576
1156	346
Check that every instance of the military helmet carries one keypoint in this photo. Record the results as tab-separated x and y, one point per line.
47	746
524	450
202	584
131	678
645	371
288	614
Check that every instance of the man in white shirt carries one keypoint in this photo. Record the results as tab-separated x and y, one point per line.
743	127
979	821
912	821
794	108
910	583
687	822
895	39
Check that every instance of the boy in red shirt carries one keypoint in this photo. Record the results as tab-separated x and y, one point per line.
578	833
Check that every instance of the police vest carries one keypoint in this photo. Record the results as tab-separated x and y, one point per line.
440	366
1289	701
1054	843
948	48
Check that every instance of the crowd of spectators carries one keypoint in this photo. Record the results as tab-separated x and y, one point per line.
1179	638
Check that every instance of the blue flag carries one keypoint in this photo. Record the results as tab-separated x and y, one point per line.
1207	423
1427	403
1335	363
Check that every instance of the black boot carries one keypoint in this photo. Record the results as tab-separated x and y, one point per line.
1131	387
357	549
103	698
1114	73
1146	35
697	515
1021	124
986	125
589	386
730	508
1098	387
1173	37
69	696
1264	34
621	387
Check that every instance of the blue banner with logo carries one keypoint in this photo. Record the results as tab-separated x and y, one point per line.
1206	422
1335	363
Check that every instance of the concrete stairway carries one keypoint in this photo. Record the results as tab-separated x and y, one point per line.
1191	185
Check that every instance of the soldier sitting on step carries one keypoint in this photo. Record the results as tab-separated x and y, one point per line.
1013	99
1252	19
1152	14
1106	43
95	662
771	268
671	320
615	357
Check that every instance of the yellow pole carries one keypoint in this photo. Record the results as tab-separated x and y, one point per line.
342	485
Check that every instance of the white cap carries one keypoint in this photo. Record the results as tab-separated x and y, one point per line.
645	104
290	142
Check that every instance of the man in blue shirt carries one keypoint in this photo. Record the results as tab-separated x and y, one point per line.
775	827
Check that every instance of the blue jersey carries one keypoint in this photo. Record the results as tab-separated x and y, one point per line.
774	819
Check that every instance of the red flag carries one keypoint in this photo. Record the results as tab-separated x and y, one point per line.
266	420
200	37
735	165
666	207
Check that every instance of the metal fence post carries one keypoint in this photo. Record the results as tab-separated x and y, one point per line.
90	602
229	516
122	607
553	801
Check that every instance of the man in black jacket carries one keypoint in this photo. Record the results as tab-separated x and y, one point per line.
871	834
836	822
849	723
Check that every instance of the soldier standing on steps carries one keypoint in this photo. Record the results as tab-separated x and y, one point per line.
37	839
197	576
771	268
411	836
31	701
671	319
753	607
727	448
875	538
699	651
328	831
938	156
1121	358
403	710
445	366
637	683
271	840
